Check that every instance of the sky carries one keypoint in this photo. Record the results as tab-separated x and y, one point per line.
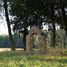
3	27
3	24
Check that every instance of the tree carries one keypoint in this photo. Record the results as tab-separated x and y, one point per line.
64	17
59	17
11	41
35	12
51	18
26	15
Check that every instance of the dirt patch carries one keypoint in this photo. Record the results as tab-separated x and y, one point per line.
9	49
4	49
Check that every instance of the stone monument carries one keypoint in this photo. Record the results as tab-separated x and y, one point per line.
41	45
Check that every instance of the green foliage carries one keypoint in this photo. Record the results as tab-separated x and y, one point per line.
33	11
17	7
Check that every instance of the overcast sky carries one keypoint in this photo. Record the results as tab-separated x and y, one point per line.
3	24
3	27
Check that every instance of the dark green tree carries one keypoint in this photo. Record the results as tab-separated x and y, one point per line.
27	14
63	5
35	12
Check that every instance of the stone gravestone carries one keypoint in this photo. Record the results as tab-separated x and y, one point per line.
28	43
41	45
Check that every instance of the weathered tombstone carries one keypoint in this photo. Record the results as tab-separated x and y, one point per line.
41	45
48	40
63	40
28	43
34	30
56	40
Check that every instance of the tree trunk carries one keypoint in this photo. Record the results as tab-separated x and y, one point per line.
55	43
63	34
11	41
53	24
24	42
64	16
24	39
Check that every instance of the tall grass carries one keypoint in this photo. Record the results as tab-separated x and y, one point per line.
15	59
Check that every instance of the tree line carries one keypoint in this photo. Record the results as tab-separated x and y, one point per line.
27	13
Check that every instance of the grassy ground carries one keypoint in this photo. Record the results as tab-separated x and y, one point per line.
20	59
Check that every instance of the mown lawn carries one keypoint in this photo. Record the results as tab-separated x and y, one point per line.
16	59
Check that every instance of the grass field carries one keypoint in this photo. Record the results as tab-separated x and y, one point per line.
19	59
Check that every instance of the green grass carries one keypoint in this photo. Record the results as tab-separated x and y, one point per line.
16	59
